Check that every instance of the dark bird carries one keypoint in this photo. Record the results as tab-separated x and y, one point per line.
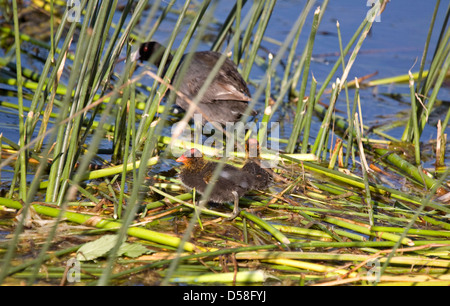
263	177
227	96
231	184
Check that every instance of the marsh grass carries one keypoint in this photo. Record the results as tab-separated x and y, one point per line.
318	214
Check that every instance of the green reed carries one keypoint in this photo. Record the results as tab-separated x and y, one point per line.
429	85
345	210
300	105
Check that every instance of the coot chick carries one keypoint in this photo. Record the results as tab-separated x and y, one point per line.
262	176
227	97
231	184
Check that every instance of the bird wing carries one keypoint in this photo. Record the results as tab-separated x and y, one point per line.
229	92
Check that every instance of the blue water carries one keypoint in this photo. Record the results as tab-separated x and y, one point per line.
394	46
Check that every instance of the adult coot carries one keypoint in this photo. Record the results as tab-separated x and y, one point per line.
263	177
226	98
231	184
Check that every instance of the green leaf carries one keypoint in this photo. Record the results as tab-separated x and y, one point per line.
97	248
132	250
100	248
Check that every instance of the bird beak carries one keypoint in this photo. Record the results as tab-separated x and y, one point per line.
182	159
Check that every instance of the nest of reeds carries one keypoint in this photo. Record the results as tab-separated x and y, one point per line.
103	203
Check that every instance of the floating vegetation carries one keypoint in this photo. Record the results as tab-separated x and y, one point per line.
90	188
